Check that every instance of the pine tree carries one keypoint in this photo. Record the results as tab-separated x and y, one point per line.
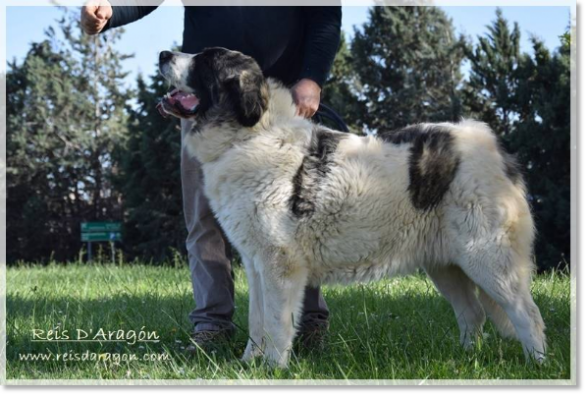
339	92
525	98
542	141
65	115
408	63
150	178
489	94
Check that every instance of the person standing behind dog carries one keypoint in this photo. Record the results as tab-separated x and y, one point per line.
296	45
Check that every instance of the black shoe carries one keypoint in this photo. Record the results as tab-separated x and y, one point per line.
209	340
312	338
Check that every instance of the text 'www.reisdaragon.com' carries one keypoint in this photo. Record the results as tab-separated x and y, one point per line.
93	357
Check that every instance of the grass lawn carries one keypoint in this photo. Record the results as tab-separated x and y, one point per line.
394	329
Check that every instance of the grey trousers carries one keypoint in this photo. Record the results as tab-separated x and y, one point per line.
210	259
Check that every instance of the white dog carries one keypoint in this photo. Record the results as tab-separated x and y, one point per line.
306	205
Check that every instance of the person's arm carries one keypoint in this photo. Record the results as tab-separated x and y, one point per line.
97	16
322	37
321	41
124	12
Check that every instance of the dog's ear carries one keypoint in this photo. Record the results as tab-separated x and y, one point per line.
249	96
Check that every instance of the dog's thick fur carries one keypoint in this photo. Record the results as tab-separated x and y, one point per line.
307	205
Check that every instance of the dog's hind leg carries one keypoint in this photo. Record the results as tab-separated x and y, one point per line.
459	290
497	315
506	280
255	343
283	284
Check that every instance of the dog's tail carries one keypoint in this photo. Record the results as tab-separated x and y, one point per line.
483	159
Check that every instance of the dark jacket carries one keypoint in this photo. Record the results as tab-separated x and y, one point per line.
289	43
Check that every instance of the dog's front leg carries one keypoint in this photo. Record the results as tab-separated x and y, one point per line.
255	344
284	283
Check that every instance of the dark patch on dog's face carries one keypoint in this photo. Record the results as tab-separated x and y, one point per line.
433	162
313	170
228	84
232	81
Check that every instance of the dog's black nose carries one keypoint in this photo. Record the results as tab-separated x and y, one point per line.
165	56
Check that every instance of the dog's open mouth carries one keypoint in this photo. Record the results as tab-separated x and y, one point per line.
179	104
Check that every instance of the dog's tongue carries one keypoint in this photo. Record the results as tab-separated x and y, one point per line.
188	101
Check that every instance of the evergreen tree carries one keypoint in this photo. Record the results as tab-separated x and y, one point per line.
339	91
490	92
542	142
65	114
150	179
526	100
408	63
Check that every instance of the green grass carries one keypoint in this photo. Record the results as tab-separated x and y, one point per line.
393	329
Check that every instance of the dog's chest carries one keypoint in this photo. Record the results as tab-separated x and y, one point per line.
250	199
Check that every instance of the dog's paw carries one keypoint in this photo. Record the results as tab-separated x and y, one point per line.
277	359
252	351
470	339
537	357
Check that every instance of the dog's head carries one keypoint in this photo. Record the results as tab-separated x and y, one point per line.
226	83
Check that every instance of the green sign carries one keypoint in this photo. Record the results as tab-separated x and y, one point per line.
101	231
101	237
101	227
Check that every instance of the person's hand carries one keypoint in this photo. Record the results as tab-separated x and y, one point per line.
306	95
95	15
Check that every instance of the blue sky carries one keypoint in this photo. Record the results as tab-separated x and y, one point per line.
27	24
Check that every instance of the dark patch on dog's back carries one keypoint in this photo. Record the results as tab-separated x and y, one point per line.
405	135
313	170
433	162
301	201
322	146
